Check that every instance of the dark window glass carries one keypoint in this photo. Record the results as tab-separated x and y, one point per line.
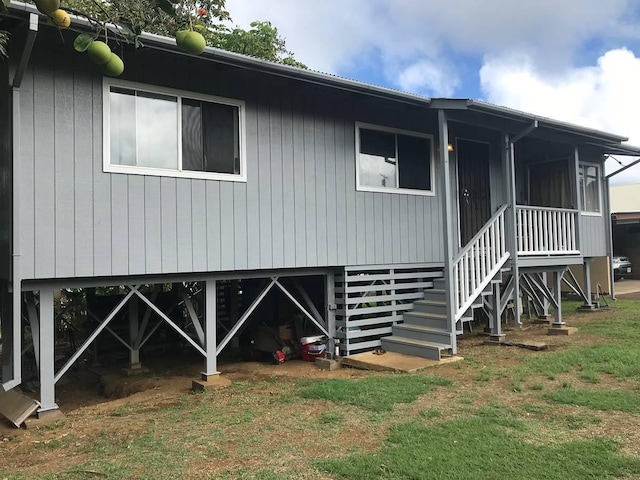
414	162
210	138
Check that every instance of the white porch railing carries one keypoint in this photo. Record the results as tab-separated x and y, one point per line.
478	262
543	231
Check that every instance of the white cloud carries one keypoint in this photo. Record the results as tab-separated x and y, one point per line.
428	78
605	96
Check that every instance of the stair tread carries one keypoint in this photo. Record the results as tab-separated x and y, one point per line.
413	326
419	343
430	302
436	316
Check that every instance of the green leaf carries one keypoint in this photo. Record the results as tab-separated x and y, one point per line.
82	42
166	6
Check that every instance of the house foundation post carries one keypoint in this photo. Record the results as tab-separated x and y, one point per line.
586	275
210	377
46	365
558	327
495	321
330	311
545	316
135	366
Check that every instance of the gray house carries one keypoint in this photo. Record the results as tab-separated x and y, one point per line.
386	218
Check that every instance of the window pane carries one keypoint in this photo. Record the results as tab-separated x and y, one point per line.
221	138
122	127
414	162
377	158
592	197
157	130
192	141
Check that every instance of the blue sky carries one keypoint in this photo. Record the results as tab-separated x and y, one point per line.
573	60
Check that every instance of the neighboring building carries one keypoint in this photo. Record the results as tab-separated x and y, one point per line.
625	220
398	214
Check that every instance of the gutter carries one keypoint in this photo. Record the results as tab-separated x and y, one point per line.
16	277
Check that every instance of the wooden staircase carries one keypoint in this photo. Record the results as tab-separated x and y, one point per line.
429	329
426	330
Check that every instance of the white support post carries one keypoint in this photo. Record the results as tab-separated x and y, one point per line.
586	273
6	327
210	327
330	307
512	240
448	215
545	303
557	312
496	334
47	352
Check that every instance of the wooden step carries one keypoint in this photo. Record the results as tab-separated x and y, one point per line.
430	320
416	348
438	307
425	334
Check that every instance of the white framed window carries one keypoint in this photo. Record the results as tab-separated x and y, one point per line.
393	160
590	195
165	132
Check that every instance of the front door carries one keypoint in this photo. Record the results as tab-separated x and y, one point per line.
474	198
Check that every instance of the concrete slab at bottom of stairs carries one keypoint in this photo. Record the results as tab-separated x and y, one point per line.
393	362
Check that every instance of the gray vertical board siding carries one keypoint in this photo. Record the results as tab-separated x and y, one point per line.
44	169
152	225
136	227
264	188
253	180
101	184
119	224
299	186
288	185
242	241
64	174
331	188
82	187
309	182
592	236
27	176
184	222
379	226
299	207
320	161
169	222
412	231
276	182
214	261
387	236
227	236
370	214
199	226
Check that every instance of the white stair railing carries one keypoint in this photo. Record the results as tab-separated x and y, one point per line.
478	262
546	231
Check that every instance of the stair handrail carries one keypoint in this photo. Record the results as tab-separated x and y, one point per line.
478	262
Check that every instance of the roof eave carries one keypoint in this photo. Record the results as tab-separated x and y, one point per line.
168	44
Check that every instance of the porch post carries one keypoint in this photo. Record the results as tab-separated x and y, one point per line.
330	306
211	359
586	275
557	293
545	303
443	130
47	352
512	240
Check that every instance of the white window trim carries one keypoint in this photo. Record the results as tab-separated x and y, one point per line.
581	195
179	94
397	190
